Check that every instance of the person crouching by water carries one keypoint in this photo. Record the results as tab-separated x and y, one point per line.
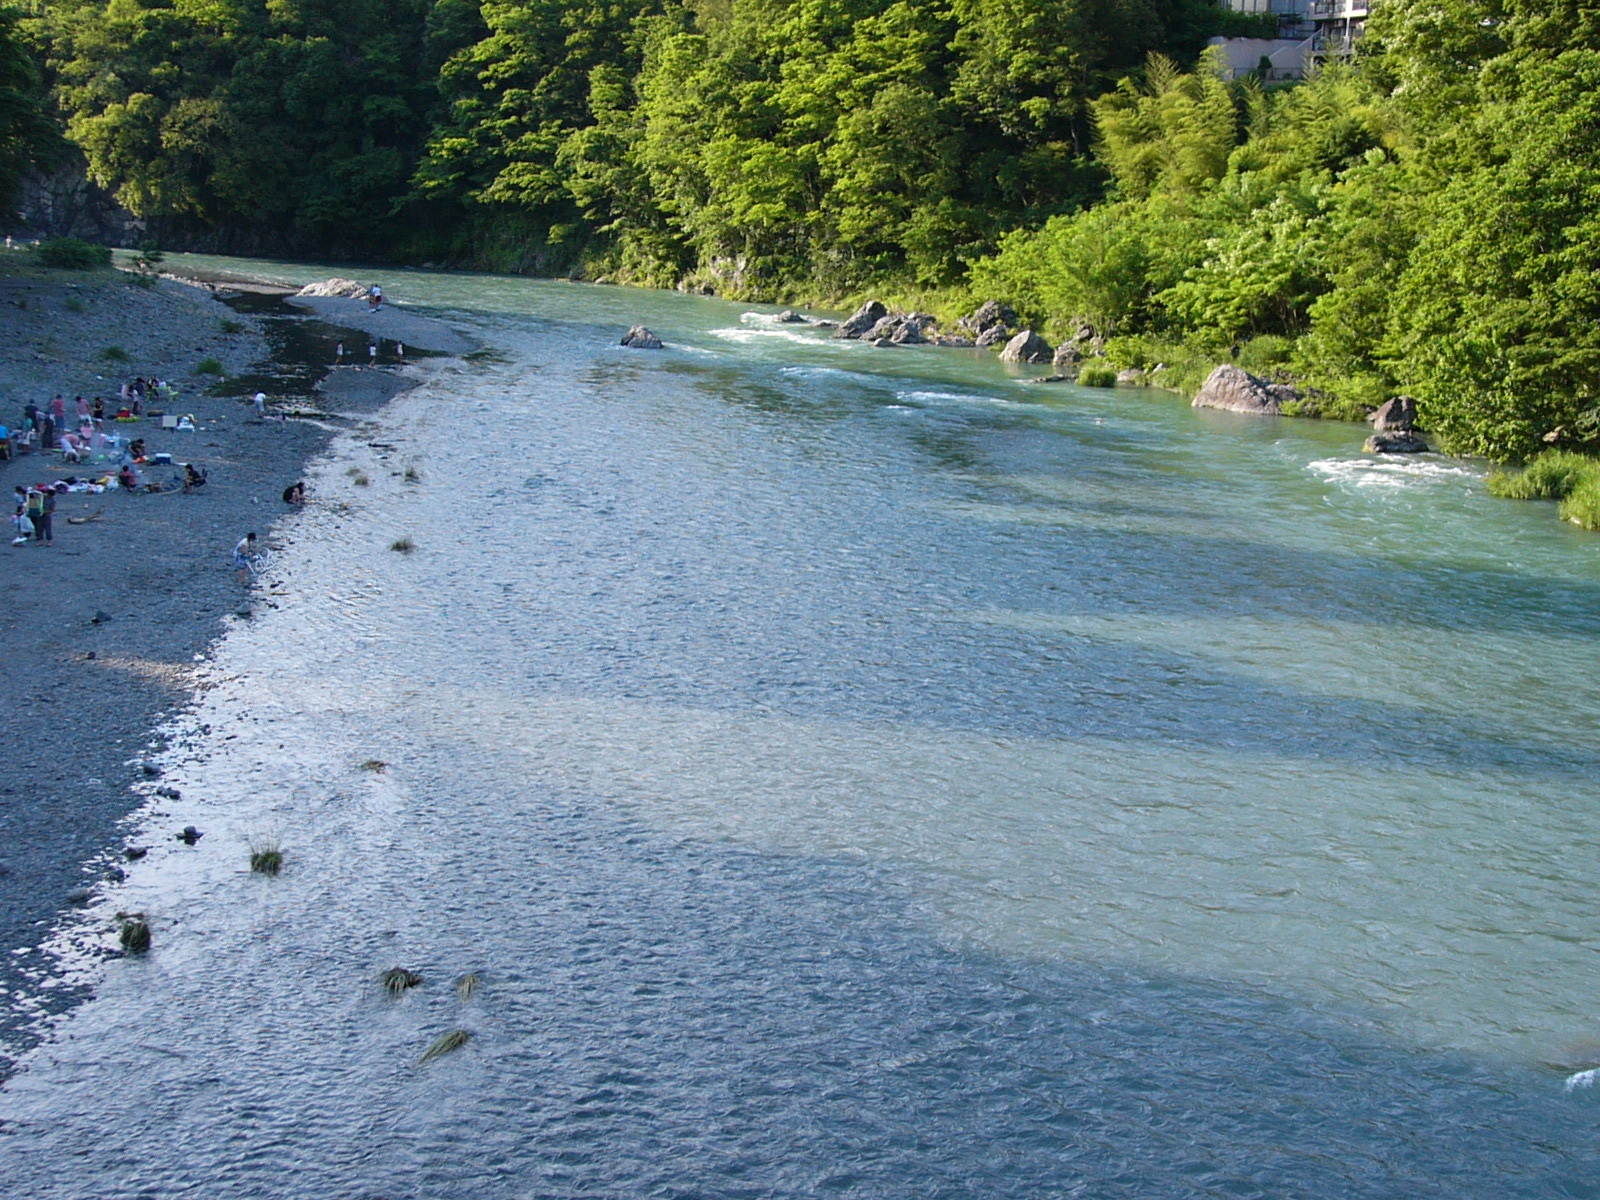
295	494
192	478
242	551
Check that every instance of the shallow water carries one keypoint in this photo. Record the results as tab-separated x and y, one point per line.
862	773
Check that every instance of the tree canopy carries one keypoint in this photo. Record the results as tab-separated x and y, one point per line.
1420	219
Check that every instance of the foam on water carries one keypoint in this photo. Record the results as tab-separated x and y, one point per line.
1391	472
744	335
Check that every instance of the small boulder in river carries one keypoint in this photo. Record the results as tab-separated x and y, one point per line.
900	329
1234	389
1395	441
789	317
910	330
992	336
863	319
641	338
1027	347
1067	358
1398	413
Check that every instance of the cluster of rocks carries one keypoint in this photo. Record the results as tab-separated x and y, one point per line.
1234	389
1229	388
992	324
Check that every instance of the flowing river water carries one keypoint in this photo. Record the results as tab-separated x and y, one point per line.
860	773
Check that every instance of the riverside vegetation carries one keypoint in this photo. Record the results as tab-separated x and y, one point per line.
1423	220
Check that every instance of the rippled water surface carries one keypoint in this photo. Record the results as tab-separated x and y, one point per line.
859	773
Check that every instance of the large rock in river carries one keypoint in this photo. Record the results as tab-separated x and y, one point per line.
1027	347
863	319
641	338
1236	390
1395	441
334	287
1398	413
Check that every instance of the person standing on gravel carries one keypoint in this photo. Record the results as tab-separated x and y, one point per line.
243	549
41	508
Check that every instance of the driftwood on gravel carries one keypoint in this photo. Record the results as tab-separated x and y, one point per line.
94	516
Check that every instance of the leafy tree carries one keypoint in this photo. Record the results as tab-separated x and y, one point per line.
27	134
1174	132
1497	320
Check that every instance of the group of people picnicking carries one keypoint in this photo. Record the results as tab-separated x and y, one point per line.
83	435
46	428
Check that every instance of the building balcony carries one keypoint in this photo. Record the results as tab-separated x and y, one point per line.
1338	10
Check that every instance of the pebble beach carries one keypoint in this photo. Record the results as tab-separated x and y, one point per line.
102	631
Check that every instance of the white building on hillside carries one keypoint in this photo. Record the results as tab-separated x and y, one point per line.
1309	31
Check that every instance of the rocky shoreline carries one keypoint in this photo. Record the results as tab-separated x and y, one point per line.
101	632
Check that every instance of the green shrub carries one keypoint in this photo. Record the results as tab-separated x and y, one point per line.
1131	352
1573	479
1582	503
114	354
1324	406
1261	355
208	366
76	304
1183	368
1097	377
1552	475
73	254
231	326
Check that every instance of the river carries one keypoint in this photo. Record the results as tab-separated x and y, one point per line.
857	772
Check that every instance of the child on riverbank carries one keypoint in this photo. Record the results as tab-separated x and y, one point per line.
243	550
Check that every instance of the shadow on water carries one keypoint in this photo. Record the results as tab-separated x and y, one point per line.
853	1056
676	1018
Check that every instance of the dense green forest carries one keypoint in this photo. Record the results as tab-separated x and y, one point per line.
1424	219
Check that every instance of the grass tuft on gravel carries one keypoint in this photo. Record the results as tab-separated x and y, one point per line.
444	1044
266	858
134	934
396	981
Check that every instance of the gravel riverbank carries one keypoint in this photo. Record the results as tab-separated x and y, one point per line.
101	632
